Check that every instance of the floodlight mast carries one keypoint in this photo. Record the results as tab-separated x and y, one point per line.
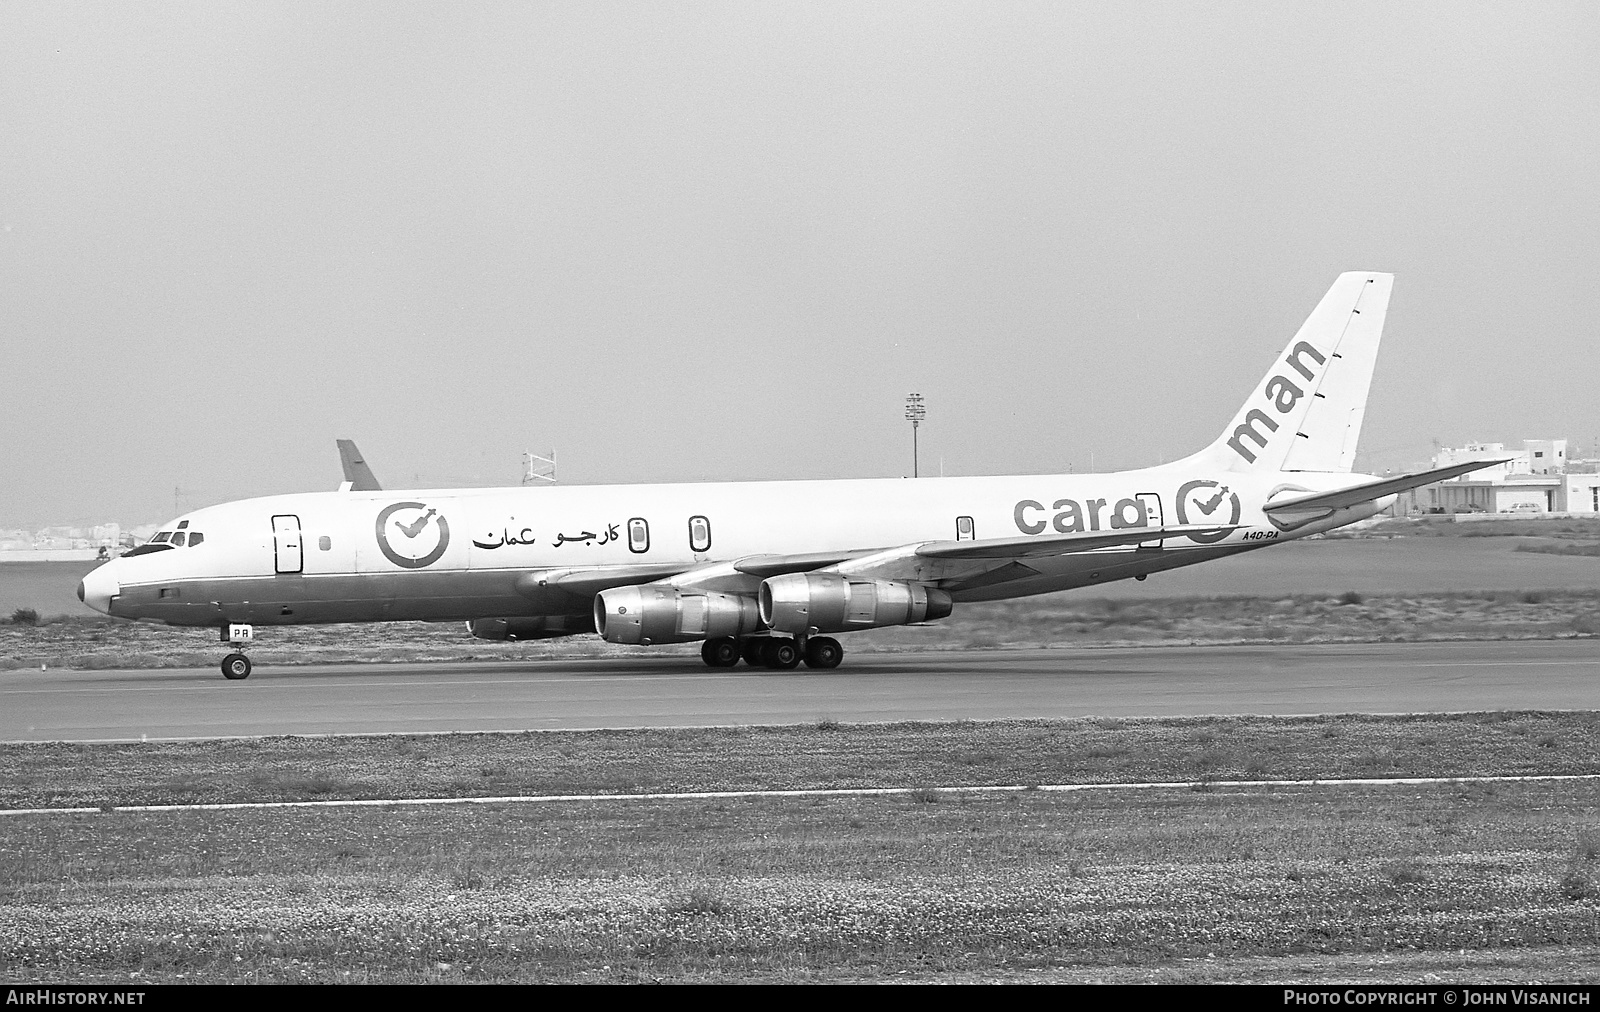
916	411
539	469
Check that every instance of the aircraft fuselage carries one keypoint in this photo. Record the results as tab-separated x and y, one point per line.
463	554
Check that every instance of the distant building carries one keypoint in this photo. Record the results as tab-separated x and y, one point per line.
65	543
1534	480
1546	456
1581	492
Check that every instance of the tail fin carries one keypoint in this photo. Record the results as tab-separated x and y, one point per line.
356	471
1306	414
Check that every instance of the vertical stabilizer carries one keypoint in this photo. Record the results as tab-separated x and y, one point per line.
356	471
1306	413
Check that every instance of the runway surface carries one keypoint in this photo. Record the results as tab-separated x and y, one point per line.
676	692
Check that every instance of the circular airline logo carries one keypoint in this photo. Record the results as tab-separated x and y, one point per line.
1201	502
412	534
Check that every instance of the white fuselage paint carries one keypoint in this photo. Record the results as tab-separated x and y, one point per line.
497	535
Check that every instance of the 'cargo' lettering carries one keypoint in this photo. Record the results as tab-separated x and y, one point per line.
1024	525
1074	517
1094	506
1119	515
1068	508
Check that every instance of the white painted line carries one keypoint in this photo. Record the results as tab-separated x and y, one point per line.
821	792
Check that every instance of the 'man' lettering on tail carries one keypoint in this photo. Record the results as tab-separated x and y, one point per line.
1282	394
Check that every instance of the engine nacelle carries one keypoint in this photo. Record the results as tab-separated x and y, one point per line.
530	627
804	603
653	614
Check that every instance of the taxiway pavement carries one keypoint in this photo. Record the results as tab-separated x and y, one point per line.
677	691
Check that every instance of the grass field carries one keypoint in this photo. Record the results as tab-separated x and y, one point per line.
1463	881
1058	620
798	757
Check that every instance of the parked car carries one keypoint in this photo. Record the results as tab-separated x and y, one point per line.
1470	507
1524	507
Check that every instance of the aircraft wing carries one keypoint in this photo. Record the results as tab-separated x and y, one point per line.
764	566
1035	545
356	471
586	582
741	576
925	561
1373	489
935	561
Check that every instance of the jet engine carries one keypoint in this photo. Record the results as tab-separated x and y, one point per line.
656	614
530	627
806	603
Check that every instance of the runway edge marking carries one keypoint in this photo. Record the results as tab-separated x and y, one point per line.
820	792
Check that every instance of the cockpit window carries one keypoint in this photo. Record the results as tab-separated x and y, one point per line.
195	537
182	524
178	539
146	550
161	538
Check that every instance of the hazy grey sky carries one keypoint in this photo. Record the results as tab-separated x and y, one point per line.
724	240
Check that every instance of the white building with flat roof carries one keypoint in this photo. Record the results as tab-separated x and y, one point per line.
1532	480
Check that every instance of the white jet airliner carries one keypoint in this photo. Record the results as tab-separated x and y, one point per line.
763	570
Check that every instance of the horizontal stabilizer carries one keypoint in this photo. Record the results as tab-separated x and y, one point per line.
1359	494
1033	546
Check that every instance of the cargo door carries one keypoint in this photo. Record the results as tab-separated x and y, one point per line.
287	551
1152	514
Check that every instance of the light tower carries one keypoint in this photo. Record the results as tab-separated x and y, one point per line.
915	413
537	468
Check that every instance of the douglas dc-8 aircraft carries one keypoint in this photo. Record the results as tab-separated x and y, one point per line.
764	570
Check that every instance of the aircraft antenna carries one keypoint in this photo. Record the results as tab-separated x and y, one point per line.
916	411
538	469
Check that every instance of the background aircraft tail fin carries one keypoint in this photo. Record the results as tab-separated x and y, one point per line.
356	471
1306	413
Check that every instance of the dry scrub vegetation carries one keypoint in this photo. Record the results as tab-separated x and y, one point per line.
1174	885
830	755
1500	526
1060	620
1459	881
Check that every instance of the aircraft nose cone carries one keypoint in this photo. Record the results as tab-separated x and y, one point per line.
98	588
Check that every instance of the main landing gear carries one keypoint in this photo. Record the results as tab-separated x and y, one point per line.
780	653
236	665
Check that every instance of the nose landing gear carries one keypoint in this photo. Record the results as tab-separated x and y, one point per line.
236	665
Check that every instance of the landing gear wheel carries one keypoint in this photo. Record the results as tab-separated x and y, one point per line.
753	651
235	667
781	654
721	652
823	652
